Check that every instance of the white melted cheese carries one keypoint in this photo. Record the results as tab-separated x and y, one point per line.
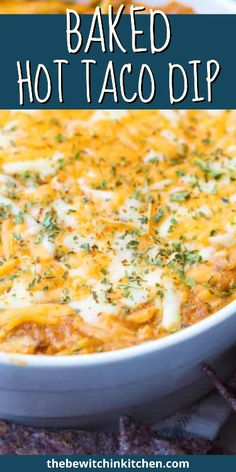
170	308
13	208
170	136
10	126
8	135
118	268
187	179
136	297
153	155
161	184
100	115
104	115
18	296
5	182
153	252
44	166
79	272
165	227
121	261
76	242
130	211
5	179
48	245
215	112
171	115
89	308
95	194
206	187
205	210
5	141
224	239
153	278
33	226
206	253
62	210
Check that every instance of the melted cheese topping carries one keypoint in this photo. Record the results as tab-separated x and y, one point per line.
59	6
116	227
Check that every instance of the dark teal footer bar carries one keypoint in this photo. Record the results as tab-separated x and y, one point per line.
115	463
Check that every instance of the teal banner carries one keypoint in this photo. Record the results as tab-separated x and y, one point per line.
105	62
114	463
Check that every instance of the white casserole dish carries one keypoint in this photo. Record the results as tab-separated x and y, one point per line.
148	381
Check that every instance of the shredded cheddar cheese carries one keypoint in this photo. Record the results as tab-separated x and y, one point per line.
116	227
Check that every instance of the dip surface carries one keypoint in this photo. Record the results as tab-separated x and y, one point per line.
117	227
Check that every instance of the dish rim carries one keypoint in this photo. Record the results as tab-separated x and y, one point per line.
144	348
108	357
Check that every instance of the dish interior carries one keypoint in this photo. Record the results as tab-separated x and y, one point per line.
117	227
